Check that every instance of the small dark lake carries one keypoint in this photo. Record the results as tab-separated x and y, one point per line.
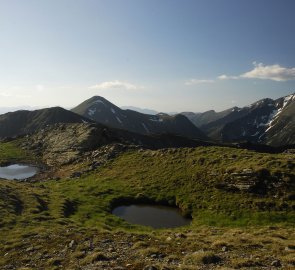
154	216
17	171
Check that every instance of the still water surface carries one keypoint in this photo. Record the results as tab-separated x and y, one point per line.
151	215
17	171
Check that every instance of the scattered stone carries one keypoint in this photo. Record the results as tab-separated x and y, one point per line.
111	249
71	244
224	248
30	249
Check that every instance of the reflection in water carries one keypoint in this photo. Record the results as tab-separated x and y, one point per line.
17	172
151	215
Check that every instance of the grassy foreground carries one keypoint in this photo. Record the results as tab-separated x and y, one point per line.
67	224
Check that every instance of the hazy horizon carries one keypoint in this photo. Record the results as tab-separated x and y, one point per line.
131	107
168	56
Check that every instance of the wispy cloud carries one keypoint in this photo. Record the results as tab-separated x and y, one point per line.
265	72
115	84
226	77
197	81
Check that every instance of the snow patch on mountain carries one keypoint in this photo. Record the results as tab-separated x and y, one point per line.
91	112
255	134
145	127
156	119
119	120
274	115
98	101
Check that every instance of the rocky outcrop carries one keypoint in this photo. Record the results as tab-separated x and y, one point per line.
258	182
64	143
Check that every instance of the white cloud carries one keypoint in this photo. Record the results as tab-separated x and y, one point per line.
197	81
226	77
273	72
265	72
114	84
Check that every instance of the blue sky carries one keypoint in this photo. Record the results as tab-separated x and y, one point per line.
168	55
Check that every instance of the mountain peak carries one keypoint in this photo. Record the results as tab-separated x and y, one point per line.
102	111
98	100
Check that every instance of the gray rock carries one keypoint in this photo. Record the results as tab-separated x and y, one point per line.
224	248
71	244
30	249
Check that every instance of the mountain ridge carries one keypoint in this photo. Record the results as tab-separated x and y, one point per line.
24	122
265	121
104	112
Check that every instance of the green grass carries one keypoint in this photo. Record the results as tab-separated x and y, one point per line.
11	152
175	178
78	208
183	177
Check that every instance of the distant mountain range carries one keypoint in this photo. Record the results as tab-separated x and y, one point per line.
13	109
104	112
137	109
266	121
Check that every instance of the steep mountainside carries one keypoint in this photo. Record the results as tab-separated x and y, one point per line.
266	121
104	112
24	122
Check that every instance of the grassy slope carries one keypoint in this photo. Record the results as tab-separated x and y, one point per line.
64	209
186	178
10	152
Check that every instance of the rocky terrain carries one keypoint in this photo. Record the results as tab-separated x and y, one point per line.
199	249
242	204
64	143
